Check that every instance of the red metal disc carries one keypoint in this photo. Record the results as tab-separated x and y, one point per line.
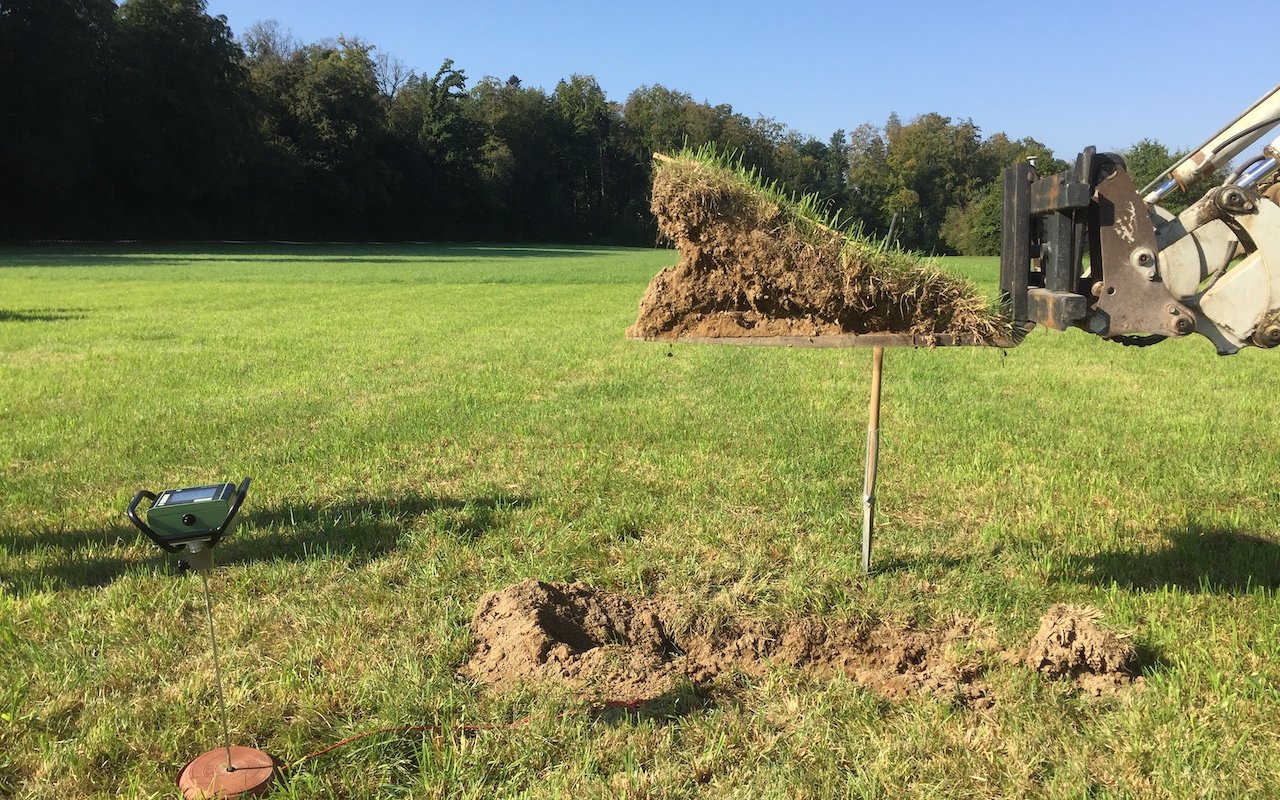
207	776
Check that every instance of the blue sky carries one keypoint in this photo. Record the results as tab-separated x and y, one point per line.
1070	75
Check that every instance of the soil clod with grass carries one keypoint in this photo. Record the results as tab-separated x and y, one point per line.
1071	646
755	262
614	648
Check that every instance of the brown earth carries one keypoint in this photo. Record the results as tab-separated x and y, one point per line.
612	648
1069	645
752	265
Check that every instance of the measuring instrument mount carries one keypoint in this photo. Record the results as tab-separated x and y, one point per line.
193	521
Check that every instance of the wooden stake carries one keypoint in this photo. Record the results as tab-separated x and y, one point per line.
873	459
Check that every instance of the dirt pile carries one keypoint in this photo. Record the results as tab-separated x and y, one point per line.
756	263
1070	645
603	644
614	648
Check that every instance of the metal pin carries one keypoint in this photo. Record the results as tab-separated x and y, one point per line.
217	670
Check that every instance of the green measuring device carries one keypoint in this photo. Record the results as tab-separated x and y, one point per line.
193	519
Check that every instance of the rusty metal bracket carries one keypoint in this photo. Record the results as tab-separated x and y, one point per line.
1058	310
1015	242
1131	299
1042	244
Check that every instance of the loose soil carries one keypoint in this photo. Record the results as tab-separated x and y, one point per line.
1070	646
613	648
755	264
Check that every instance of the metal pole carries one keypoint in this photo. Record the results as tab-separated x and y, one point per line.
217	670
873	458
888	239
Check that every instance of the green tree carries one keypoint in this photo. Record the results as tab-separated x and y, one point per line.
265	40
833	170
972	228
153	118
936	177
665	120
913	172
869	182
53	56
999	151
936	164
521	162
177	120
585	119
658	119
322	124
1148	158
435	145
432	112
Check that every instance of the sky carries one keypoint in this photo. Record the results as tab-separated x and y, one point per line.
1069	75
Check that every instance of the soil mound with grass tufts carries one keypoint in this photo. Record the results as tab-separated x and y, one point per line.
613	648
757	263
1070	646
606	645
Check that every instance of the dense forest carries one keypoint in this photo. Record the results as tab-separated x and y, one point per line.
150	119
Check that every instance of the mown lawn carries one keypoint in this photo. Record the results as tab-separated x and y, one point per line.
425	424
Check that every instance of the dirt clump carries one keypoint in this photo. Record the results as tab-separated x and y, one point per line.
757	263
614	648
603	644
1070	646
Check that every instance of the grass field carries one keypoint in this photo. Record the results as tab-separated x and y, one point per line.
425	424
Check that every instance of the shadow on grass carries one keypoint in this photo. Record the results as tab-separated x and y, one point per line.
917	564
360	531
1148	660
171	255
42	315
69	560
686	699
1196	558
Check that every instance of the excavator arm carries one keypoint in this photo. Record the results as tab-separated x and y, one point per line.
1086	248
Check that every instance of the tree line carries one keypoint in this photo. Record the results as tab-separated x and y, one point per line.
150	119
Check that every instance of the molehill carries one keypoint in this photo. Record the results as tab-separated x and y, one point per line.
614	648
1070	646
755	262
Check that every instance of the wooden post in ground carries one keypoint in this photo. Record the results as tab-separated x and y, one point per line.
873	458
